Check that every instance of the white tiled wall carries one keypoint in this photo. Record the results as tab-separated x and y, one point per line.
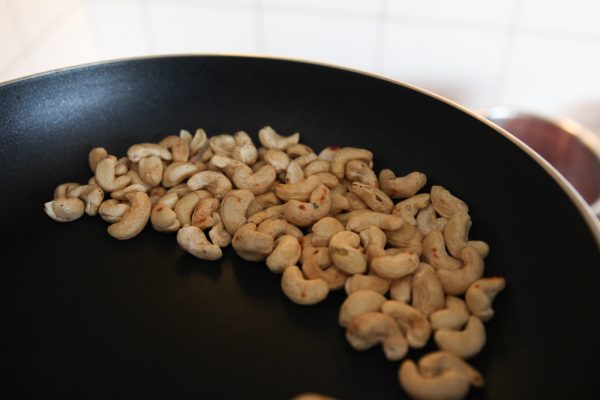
540	55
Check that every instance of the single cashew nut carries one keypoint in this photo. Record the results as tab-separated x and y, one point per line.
427	220
142	150
271	140
182	189
112	210
294	173
408	208
203	215
256	182
367	282
96	155
274	212
306	159
218	234
122	166
401	237
359	171
445	203
135	219
426	290
91	195
279	227
465	343
354	202
233	209
215	182
199	143
65	209
300	290
187	204
434	250
338	204
298	150
371	328
250	244
179	148
401	187
285	254
162	217
481	294
316	264
222	145
193	240
105	175
358	303
395	266
400	289
363	219
262	201
342	156
456	235
453	317
328	152
305	214
412	322
324	229
457	282
300	191
135	187
151	170
374	198
61	190
177	172
316	167
277	159
373	240
346	253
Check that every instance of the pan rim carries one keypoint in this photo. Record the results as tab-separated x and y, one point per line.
584	209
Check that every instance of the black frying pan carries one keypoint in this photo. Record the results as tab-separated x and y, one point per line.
91	317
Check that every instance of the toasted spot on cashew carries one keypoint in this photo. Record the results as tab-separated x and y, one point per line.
400	289
218	234
300	191
346	253
453	317
359	171
445	203
272	140
215	182
151	170
105	175
456	235
96	155
304	214
372	328
135	187
341	157
363	219
374	198
142	150
434	250
408	208
65	209
250	244
178	147
177	172
412	322
358	303
186	205
367	282
465	343
274	212
401	187
426	290
194	241
156	193
203	214
481	294
427	220
324	229
456	282
135	219
300	290
163	217
233	209
112	210
286	253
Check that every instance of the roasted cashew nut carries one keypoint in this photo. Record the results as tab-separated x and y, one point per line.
456	235
96	155
328	152
354	202
112	210
262	201
465	343
294	173
358	303
445	203
426	290
179	148
122	166
401	187
434	250
135	219
401	237
233	209
193	240
162	217
371	328
317	166
151	170
300	191
305	214
271	140
142	150
274	212
324	229
408	208
457	282
427	221
338	204
215	182
199	143
177	172
218	235
367	282
346	253
453	317
203	215
316	264
412	322
300	290
244	151
187	204
373	240
134	187
286	253
91	195
363	219
395	266
481	294
298	150
65	209
250	244
277	159
359	171
105	175
400	289
374	198
222	145
279	227
341	157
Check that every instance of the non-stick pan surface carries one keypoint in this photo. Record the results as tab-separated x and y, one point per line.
87	316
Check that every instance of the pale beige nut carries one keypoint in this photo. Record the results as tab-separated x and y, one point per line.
194	241
262	201
142	150
272	140
324	229
277	159
465	343
178	147
301	290
136	179
298	150
401	187
456	235
434	251
65	209
222	145
400	289
413	245
250	244
367	282
135	219
122	166
187	204
373	241
342	156
112	210
316	167
245	150
186	136
163	217
218	234
445	203
306	213
233	209
374	198
338	204
105	175
294	173
156	193
203	214
274	212
401	237
300	191
215	182
481	294
182	189
328	152
96	155
151	170
427	220
363	219
372	328
286	253
409	208
134	187
257	182
358	303
453	317
359	171
177	172
199	143
412	322
395	266
91	195
457	282
427	294
306	159
440	376
279	227
345	217
346	253
354	202
319	266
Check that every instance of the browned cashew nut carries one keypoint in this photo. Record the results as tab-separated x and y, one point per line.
294	173
358	303
401	237
456	235
179	148
426	291
373	240
215	182
250	244
112	210
434	250
342	156
338	204
395	266
401	187
408	208
346	253
256	182
328	152
193	240
135	219
371	328
305	214
203	215
177	172
222	145
324	229
453	317
187	204
412	322
300	191
300	290
233	209
374	198
105	175
271	140
151	170
465	343
91	195
445	203
427	220
285	254
142	150
481	294
354	202
244	151
96	155
457	282
367	282
298	150
162	217
359	171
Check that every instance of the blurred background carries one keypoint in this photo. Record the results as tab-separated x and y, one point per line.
536	55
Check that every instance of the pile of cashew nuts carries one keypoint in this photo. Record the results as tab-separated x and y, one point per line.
324	222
